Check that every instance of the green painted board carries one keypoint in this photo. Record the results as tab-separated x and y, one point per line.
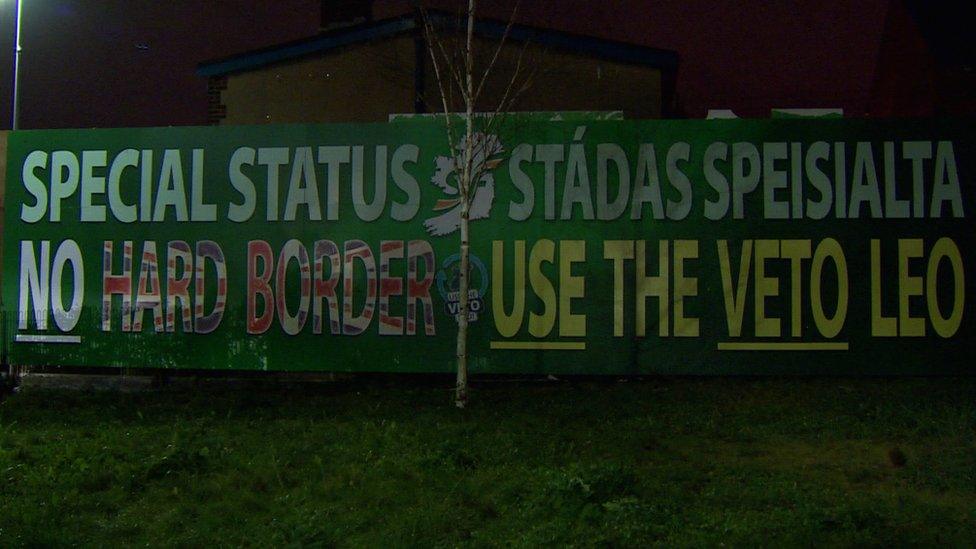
600	247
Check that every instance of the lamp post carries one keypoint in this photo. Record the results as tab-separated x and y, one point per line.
16	118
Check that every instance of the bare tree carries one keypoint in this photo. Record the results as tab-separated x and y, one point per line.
474	147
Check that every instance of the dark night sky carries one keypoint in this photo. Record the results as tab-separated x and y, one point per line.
82	66
747	55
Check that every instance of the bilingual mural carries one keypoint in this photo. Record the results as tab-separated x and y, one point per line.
598	247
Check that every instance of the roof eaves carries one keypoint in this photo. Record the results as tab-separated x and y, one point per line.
275	54
608	49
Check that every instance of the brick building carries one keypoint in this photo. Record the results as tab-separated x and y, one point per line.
367	70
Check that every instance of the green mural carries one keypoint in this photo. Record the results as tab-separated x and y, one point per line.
600	247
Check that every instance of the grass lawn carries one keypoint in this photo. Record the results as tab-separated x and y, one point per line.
384	462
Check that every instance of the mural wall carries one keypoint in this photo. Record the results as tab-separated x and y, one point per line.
600	247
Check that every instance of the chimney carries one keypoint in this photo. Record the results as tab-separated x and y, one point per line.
344	13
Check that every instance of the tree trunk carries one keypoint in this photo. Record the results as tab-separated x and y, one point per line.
467	190
461	389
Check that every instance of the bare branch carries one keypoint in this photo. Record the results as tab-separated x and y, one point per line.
440	84
508	98
449	60
498	50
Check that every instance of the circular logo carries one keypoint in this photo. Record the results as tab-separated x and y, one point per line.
448	281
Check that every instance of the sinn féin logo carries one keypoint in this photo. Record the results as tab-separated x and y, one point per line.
448	279
486	151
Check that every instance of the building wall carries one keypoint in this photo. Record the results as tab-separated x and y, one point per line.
367	82
563	81
363	83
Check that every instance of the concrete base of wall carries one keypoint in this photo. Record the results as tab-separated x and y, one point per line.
78	382
130	383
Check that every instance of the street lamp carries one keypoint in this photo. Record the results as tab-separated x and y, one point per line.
17	7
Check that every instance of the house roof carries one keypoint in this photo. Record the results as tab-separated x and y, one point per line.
324	42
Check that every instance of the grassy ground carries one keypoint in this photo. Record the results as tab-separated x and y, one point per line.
379	463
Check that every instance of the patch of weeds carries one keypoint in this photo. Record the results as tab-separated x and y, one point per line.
630	522
597	483
178	459
454	454
866	475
